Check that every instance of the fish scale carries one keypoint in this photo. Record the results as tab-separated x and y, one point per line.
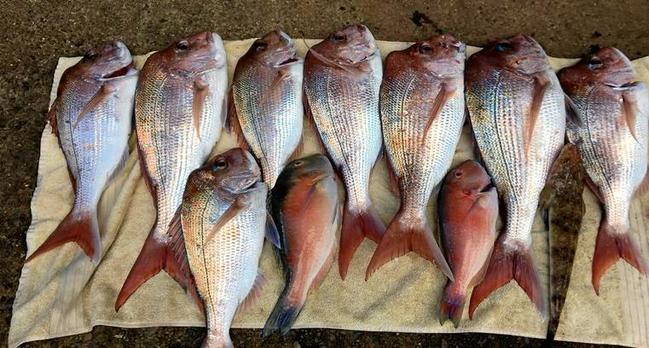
422	114
267	97
610	129
518	116
342	77
223	253
92	118
178	120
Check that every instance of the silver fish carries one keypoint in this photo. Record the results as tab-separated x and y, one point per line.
342	76
518	115
610	129
92	118
422	111
223	216
178	119
267	102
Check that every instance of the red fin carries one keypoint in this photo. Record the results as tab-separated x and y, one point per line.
51	117
610	247
298	150
310	122
629	107
80	228
393	178
105	91
232	122
233	210
357	226
155	256
201	91
593	188
445	92
452	305
541	84
504	266
254	294
402	238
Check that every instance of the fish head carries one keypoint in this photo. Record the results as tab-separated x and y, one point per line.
443	55
520	54
608	66
274	49
469	177
233	171
111	59
349	46
195	54
312	168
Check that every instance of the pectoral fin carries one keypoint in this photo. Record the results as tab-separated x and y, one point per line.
51	117
239	204
445	92
630	111
106	91
541	84
201	91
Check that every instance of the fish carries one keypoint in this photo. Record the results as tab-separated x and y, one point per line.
179	114
266	102
91	118
610	129
468	213
223	218
342	76
422	115
518	114
563	198
305	206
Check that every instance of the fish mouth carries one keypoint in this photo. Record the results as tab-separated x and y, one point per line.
487	187
288	61
121	71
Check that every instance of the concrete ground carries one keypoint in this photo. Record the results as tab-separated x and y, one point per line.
35	33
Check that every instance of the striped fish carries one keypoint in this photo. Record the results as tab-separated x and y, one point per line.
178	119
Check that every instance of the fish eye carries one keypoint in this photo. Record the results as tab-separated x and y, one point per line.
337	37
425	49
503	47
182	45
219	165
298	163
260	46
594	63
458	173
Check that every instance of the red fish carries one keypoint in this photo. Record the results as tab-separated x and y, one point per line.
468	211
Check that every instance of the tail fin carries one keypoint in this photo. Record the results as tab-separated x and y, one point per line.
508	263
357	226
283	315
610	247
78	227
155	256
403	236
452	305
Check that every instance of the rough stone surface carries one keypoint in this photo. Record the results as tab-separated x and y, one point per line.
35	33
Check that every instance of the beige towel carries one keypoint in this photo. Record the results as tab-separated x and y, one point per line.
61	293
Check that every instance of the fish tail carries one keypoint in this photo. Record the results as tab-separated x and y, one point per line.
80	227
284	314
612	245
403	236
509	263
355	227
169	255
452	304
217	340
